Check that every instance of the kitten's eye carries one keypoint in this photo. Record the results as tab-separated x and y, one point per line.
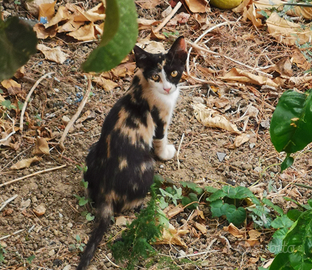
174	73
155	77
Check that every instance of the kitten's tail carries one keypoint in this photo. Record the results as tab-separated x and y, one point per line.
96	236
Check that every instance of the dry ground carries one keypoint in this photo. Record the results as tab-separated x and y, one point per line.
49	237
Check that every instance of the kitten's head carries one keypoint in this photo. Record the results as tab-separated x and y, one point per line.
163	71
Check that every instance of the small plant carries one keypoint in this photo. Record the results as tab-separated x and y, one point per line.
136	241
83	201
39	119
7	104
78	245
30	259
168	34
2	252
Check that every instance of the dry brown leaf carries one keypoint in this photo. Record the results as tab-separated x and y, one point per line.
33	6
300	80
253	234
180	18
238	75
297	11
241	139
96	13
46	10
98	30
221	102
84	33
242	5
122	70
20	73
198	6
174	211
157	35
171	236
87	115
43	33
25	163
287	32
121	221
107	85
53	54
201	227
70	26
12	86
253	15
146	23
148	4
197	213
284	67
232	229
41	147
62	14
299	59
93	15
268	4
211	118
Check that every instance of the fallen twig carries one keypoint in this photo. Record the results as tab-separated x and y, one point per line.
28	97
167	19
8	201
74	118
30	175
13	132
9	235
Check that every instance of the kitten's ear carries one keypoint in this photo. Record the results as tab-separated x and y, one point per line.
141	57
178	49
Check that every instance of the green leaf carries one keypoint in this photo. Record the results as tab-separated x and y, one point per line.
216	196
158	180
162	203
237	192
291	124
233	215
119	37
288	161
272	205
30	259
210	189
20	105
193	187
17	43
293	214
6	103
275	245
282	222
89	217
216	209
192	197
78	239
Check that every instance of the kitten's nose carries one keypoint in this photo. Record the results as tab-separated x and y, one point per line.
167	90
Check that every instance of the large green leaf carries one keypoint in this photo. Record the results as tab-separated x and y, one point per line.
17	43
119	37
291	124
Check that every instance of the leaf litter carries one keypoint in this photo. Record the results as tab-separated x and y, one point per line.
237	71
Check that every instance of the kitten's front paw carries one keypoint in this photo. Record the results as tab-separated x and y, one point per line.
168	152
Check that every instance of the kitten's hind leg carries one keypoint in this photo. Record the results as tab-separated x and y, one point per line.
163	150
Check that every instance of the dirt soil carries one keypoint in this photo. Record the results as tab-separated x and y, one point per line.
51	236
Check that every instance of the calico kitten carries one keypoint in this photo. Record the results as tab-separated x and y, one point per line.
120	166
